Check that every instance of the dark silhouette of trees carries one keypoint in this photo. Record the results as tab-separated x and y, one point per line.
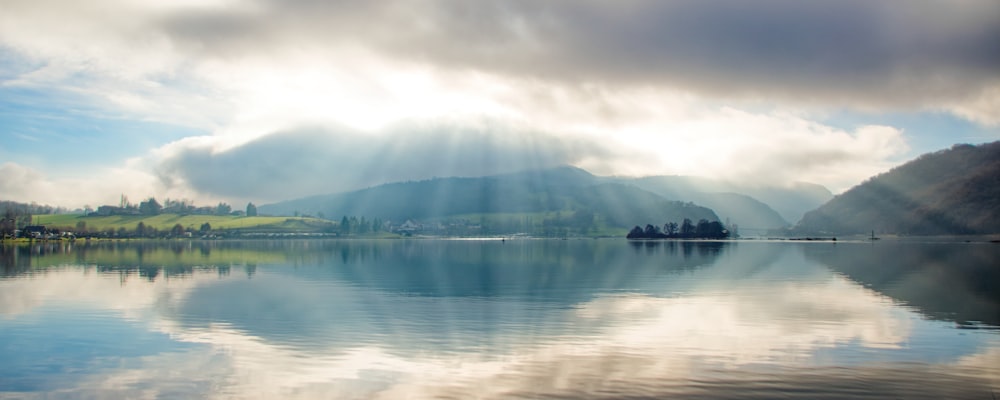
8	224
705	229
687	228
713	229
652	230
251	210
150	207
181	206
670	228
18	215
223	209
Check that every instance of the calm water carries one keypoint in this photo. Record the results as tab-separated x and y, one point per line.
491	319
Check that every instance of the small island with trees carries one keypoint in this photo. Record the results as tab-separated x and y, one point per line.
704	229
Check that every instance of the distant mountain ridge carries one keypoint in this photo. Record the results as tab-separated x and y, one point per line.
624	202
561	190
753	206
739	208
952	191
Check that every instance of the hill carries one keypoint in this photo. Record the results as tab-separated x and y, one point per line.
741	209
751	206
791	202
164	222
949	192
569	191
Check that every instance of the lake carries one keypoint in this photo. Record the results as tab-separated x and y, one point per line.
500	319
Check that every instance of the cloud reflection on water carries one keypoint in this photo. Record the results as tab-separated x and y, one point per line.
745	320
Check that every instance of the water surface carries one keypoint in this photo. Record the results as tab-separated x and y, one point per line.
490	319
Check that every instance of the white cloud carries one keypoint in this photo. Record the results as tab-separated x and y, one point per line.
839	53
659	93
982	107
727	144
88	187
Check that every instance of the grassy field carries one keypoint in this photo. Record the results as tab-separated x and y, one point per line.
167	221
530	223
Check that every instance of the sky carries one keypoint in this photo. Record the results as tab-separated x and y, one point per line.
268	100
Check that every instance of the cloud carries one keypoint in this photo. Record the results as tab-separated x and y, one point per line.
720	329
308	161
93	187
721	88
733	145
897	54
846	53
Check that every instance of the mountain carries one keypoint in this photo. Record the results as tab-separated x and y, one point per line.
746	211
568	190
953	191
791	202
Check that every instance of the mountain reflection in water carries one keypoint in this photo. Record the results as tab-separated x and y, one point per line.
491	319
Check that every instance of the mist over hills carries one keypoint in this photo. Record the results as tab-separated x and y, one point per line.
754	205
620	202
952	191
742	209
566	190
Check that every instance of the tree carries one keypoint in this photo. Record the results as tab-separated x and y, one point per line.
687	228
670	228
363	225
81	227
205	228
345	226
711	230
150	207
636	233
251	210
177	230
651	230
140	229
223	209
9	223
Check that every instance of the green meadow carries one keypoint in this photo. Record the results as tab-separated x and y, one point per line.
165	222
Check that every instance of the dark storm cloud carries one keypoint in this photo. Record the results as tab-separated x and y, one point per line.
877	52
302	162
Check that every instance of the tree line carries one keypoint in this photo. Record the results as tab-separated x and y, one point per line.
151	207
360	226
704	229
143	231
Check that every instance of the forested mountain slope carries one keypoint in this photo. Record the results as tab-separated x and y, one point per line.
953	191
565	189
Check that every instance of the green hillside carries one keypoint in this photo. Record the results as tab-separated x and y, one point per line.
569	197
953	191
165	222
